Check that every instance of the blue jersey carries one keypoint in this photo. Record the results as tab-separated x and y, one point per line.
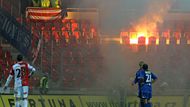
137	80
146	85
137	76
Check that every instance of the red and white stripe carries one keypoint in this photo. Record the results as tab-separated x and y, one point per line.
43	13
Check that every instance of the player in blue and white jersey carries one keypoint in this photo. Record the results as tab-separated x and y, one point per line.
137	81
146	80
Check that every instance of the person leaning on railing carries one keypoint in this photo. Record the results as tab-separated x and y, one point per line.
44	84
55	3
46	3
36	3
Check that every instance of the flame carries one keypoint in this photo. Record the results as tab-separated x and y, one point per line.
148	23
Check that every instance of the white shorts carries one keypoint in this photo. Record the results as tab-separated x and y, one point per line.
18	92
25	91
21	92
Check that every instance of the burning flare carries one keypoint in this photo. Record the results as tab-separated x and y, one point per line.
148	23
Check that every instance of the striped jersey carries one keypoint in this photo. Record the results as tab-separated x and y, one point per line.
20	71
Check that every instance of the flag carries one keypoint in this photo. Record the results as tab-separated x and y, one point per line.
44	14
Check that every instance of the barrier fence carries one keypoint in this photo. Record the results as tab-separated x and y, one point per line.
95	101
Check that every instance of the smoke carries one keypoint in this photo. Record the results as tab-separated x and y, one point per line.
155	15
142	15
120	62
168	62
148	14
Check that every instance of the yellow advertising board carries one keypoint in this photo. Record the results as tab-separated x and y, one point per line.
188	101
45	101
1	103
158	101
99	101
92	101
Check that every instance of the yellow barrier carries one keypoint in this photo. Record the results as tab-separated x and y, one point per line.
1	103
47	101
92	101
188	101
99	101
158	101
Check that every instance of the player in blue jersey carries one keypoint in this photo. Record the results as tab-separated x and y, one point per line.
137	80
146	80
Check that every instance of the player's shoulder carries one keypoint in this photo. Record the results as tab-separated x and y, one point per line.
22	62
148	71
139	70
15	65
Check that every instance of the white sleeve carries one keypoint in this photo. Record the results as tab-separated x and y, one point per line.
31	68
8	80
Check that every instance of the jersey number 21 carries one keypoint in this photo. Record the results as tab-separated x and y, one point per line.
148	78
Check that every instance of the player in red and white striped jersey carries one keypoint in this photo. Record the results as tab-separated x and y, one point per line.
21	71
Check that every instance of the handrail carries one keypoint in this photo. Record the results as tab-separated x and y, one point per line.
70	9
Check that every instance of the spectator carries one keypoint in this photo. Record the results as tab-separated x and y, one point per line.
44	84
36	3
55	3
45	3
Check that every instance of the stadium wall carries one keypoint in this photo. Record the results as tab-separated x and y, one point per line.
94	101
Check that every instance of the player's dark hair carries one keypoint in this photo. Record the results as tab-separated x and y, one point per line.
145	67
19	57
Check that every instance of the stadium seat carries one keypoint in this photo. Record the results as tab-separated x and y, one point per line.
46	35
152	40
141	40
78	48
56	36
74	26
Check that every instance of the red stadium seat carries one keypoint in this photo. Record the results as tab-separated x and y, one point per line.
152	40
70	34
75	27
46	35
56	36
141	40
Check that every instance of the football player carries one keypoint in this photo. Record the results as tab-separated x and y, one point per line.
21	71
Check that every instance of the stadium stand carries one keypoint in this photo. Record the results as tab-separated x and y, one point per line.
67	49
